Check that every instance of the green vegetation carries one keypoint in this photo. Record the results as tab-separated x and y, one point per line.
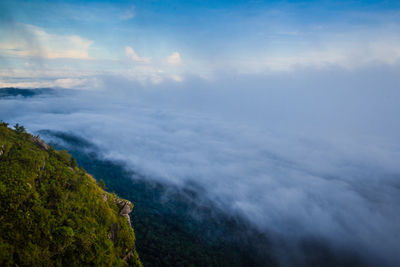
53	213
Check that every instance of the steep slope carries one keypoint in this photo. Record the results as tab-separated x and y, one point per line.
53	213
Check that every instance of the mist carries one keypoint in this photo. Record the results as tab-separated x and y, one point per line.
310	154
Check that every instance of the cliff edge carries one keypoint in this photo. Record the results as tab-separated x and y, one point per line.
52	213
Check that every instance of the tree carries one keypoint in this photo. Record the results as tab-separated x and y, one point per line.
19	128
73	163
102	184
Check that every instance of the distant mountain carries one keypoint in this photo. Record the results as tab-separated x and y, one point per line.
52	213
11	91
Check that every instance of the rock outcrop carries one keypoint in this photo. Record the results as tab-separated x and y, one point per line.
40	143
125	207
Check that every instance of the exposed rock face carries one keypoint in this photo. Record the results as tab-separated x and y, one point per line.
125	212
125	208
40	143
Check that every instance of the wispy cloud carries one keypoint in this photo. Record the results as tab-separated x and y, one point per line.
81	83
174	59
129	13
26	40
348	55
132	55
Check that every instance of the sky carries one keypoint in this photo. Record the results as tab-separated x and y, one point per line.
283	112
69	43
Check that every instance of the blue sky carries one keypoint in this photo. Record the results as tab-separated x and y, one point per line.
164	40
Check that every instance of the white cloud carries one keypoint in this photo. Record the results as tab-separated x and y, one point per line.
154	72
70	82
349	50
145	74
177	78
348	56
89	83
39	76
175	59
32	41
131	54
128	14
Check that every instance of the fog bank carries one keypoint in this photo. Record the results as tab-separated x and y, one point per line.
309	154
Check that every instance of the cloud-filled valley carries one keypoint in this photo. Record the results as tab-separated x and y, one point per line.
307	155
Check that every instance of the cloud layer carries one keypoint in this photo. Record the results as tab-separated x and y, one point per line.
307	156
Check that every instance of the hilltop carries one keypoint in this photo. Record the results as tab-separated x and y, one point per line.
53	213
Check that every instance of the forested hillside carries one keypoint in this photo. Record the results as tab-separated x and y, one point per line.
53	213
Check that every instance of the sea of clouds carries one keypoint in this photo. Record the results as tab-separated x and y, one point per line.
313	154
